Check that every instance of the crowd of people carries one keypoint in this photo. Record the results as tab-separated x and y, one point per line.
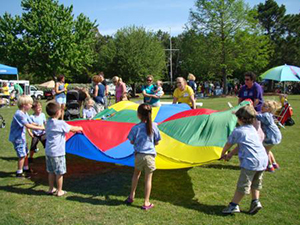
255	136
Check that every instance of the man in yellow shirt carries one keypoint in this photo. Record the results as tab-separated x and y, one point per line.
184	93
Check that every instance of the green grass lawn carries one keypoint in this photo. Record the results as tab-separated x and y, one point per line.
96	191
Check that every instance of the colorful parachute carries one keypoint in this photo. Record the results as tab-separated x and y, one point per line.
189	137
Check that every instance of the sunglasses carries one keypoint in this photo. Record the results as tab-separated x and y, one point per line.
149	80
247	79
178	82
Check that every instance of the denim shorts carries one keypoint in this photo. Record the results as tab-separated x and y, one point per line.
21	147
61	100
56	164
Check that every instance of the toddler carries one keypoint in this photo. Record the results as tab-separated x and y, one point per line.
89	111
272	132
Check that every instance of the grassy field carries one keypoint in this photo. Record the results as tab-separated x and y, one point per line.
96	191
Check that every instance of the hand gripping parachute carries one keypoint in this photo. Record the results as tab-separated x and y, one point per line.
189	137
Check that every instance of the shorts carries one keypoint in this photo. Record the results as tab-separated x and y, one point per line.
248	180
145	162
56	164
35	140
61	100
21	147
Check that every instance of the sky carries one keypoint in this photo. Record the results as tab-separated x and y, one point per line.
111	15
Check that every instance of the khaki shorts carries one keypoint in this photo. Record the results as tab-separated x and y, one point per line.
145	162
249	180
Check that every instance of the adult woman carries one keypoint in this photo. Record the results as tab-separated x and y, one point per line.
148	91
60	95
251	90
98	93
120	92
184	93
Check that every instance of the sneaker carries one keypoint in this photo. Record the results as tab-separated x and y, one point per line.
270	169
255	207
276	165
22	175
29	172
230	209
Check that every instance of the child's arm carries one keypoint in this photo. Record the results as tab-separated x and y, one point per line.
225	149
34	127
75	129
29	132
232	153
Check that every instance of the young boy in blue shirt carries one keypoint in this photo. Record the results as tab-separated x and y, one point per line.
55	148
17	135
253	160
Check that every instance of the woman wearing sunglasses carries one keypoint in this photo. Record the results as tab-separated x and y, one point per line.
149	92
251	90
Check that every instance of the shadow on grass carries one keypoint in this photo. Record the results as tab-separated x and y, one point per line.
95	182
222	166
9	158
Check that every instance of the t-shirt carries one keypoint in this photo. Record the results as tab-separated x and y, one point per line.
272	132
255	92
19	89
142	142
193	85
185	95
252	154
149	89
40	120
17	127
55	135
89	113
5	90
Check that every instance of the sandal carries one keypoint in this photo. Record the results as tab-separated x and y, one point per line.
51	192
63	193
129	201
144	207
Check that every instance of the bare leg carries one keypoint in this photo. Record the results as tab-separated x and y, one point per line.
51	179
237	197
26	161
21	163
148	185
134	182
62	111
59	183
270	154
255	194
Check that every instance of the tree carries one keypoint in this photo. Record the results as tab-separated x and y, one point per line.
222	22
50	41
283	30
133	54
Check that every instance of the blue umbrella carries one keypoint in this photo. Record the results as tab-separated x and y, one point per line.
282	73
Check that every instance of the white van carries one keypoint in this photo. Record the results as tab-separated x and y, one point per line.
25	85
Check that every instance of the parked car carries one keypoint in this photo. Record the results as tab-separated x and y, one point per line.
48	94
35	93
